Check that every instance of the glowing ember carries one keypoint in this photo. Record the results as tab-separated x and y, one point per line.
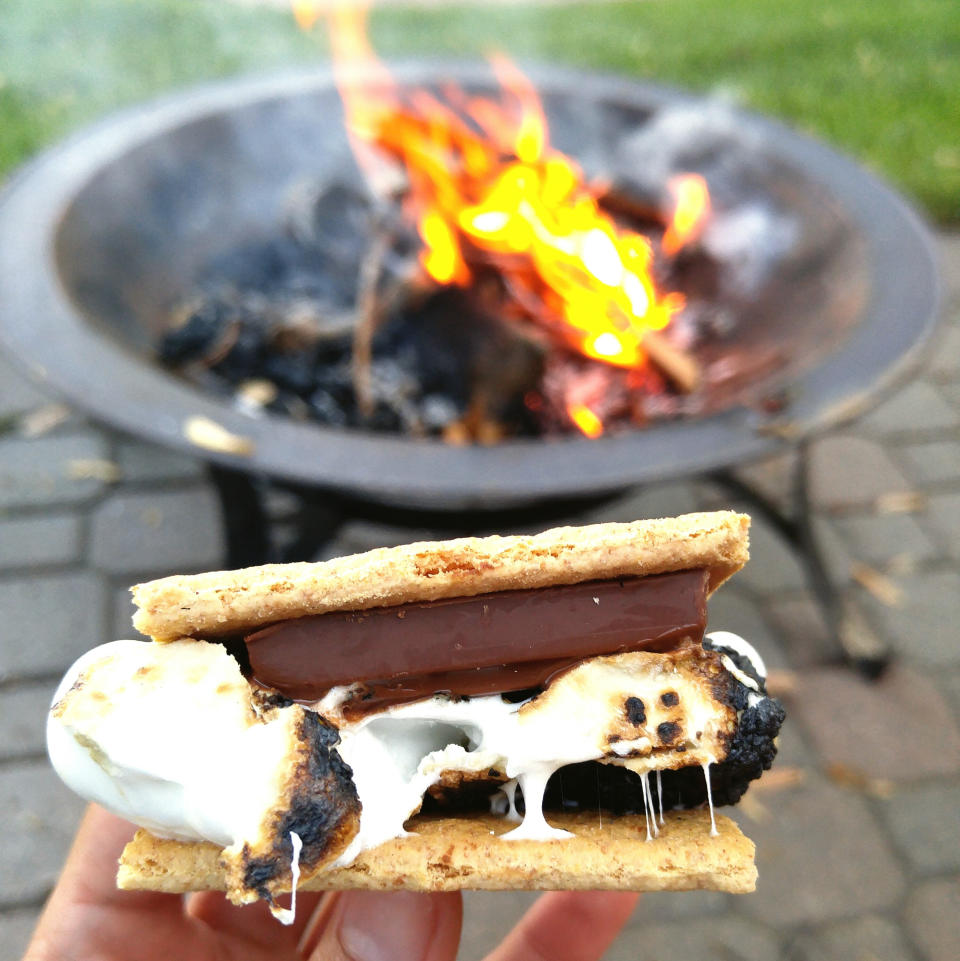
488	192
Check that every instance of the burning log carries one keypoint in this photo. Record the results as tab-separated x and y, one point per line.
676	364
370	314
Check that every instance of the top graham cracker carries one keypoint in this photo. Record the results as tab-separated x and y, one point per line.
224	603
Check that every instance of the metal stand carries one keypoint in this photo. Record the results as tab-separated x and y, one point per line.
245	521
252	530
859	645
318	515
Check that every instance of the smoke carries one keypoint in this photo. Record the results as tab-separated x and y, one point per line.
748	232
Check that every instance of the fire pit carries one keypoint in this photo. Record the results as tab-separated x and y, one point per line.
102	236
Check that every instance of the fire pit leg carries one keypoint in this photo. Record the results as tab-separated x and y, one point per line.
317	519
859	644
245	522
250	528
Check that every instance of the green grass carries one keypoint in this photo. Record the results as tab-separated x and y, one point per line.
878	78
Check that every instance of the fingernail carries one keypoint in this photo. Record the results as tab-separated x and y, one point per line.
386	926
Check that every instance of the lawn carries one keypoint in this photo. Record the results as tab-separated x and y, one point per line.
877	78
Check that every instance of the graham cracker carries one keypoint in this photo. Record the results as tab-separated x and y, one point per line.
454	853
223	603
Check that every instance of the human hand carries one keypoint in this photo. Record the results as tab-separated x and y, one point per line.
87	917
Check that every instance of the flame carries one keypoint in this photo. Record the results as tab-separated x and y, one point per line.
486	189
690	212
585	419
306	12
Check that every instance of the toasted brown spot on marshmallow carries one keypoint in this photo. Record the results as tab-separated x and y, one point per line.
668	732
669	699
635	711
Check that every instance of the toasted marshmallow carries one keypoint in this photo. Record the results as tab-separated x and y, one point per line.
171	738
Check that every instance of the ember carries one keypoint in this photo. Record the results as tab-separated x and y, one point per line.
479	287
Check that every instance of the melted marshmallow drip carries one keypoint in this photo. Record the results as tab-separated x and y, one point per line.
510	789
534	826
706	774
287	915
599	808
660	793
648	813
653	813
646	807
504	802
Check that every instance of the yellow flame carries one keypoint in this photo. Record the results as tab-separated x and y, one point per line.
307	12
442	258
585	419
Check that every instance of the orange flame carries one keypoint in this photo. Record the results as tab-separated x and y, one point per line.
485	188
691	210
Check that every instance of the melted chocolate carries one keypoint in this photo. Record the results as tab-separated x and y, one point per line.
505	641
502	678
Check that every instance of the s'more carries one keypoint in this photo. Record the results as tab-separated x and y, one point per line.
542	711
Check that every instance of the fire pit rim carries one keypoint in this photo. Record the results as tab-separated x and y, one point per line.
48	333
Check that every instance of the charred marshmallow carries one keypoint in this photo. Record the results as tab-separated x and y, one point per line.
169	737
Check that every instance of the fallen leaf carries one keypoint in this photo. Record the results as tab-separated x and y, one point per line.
901	565
781	683
753	809
877	583
210	435
257	393
42	420
857	780
94	468
780	779
783	429
900	502
152	517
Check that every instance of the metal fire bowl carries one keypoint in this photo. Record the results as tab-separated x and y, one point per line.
100	235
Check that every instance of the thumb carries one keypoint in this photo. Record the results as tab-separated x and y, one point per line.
387	926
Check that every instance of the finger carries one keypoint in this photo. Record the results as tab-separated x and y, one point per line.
89	876
254	922
76	916
389	926
318	923
567	926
